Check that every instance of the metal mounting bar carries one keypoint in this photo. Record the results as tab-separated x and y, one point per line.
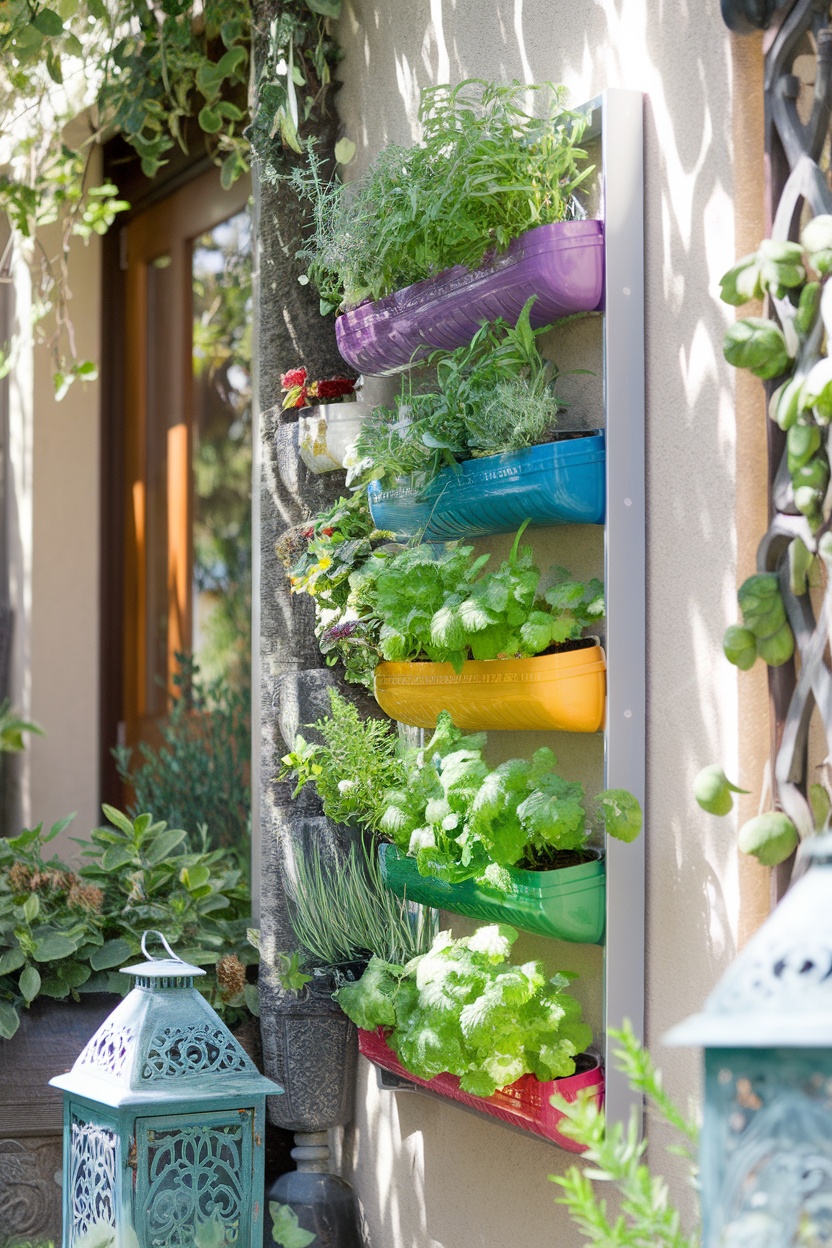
625	734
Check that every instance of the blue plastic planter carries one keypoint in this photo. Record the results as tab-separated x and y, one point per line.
555	483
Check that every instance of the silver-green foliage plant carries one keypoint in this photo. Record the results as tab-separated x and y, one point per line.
486	170
492	395
341	911
465	1008
642	1215
445	806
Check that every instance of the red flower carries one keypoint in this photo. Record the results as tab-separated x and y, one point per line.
327	532
335	387
294	377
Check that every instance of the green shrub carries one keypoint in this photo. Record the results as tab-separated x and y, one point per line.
200	775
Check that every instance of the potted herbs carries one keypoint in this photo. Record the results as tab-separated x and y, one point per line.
478	451
510	843
465	1021
460	228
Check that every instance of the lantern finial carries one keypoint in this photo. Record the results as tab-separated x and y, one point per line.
170	972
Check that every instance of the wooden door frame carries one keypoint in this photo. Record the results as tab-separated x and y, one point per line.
161	225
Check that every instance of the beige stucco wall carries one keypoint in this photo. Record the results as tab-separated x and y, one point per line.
429	1175
54	522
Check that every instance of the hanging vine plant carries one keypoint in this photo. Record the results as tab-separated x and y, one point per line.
779	620
141	68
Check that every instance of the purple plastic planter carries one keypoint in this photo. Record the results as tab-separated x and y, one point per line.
562	264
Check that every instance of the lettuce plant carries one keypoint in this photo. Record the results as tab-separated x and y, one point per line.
460	819
443	804
464	1008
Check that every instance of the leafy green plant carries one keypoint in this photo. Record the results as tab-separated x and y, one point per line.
464	1008
357	762
443	804
642	1213
436	603
200	775
286	1230
484	172
12	728
141	70
495	394
63	931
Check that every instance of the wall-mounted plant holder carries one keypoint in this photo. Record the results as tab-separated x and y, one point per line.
562	692
562	264
325	433
617	121
567	904
559	482
524	1104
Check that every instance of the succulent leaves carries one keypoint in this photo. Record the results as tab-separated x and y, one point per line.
765	631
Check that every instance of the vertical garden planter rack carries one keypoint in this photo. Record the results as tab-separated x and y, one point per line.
616	120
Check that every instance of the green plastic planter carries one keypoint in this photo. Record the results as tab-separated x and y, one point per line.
568	904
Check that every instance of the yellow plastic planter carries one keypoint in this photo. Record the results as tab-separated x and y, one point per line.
563	691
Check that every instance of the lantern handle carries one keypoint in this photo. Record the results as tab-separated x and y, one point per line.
151	931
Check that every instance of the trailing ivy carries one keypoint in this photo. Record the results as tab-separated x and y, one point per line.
144	69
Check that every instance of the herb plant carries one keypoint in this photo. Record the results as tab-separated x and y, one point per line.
341	911
495	394
63	930
200	775
443	804
356	764
485	172
437	603
643	1214
464	1008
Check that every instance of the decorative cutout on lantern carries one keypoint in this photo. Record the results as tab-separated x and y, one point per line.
164	1123
766	1159
92	1176
195	1050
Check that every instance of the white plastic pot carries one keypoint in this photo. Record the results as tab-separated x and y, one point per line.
327	431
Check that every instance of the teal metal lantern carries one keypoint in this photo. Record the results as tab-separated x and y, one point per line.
766	1150
163	1123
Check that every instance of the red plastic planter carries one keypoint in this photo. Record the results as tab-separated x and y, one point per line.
562	264
524	1104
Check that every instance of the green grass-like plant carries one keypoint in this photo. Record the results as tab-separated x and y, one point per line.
486	170
341	911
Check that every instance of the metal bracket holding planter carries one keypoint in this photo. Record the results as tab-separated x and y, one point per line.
617	120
